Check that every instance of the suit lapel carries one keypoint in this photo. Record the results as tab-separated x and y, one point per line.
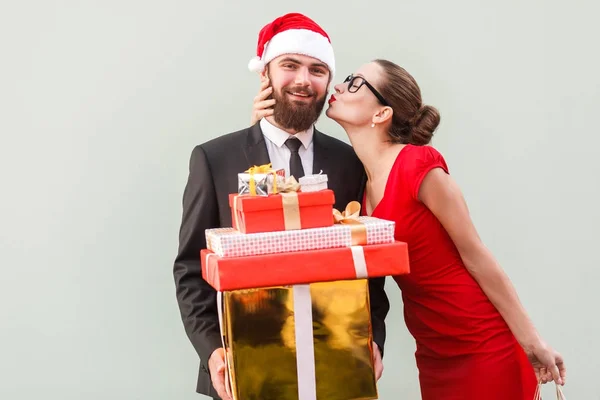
255	148
322	158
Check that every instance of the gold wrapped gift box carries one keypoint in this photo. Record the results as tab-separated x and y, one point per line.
273	354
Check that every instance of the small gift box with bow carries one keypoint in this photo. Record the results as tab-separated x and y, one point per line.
260	180
313	183
349	229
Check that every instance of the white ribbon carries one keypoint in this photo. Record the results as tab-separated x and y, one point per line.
305	351
360	264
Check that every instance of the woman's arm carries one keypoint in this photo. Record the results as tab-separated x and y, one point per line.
443	197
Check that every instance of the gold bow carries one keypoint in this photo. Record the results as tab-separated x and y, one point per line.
289	185
358	231
349	215
261	169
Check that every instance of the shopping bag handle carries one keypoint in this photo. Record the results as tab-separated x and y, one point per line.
559	392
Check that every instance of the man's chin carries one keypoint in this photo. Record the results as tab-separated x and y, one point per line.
302	104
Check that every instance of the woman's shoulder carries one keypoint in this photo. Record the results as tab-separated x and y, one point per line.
414	158
414	164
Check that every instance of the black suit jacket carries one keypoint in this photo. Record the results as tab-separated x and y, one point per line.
212	177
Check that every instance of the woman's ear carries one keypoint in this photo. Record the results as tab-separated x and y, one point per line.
383	115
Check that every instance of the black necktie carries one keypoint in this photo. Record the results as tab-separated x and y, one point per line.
296	169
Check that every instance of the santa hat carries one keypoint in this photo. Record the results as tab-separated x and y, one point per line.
292	33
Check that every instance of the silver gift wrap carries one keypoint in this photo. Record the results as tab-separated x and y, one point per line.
263	182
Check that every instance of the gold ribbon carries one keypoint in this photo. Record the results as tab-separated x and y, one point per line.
358	231
261	169
349	215
291	207
290	185
291	211
236	213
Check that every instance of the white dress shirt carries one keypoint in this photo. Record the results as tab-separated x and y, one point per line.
280	154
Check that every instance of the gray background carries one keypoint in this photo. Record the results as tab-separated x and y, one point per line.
101	103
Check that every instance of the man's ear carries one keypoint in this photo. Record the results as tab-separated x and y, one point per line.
265	72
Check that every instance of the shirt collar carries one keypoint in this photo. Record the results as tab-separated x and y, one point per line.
279	136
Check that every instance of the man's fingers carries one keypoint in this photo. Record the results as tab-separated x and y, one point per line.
378	369
220	388
216	365
223	393
377	361
218	381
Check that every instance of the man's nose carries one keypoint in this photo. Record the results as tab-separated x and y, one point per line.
302	77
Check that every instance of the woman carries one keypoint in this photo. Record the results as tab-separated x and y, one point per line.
474	338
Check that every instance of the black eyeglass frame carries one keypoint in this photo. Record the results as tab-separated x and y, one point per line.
351	78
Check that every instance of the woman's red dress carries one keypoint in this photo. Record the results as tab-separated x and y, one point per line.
465	350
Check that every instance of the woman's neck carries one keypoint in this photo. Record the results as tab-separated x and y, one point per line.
373	149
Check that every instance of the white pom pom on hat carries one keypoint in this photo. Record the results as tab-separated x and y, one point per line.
256	65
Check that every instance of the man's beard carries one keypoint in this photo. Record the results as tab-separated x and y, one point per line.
296	115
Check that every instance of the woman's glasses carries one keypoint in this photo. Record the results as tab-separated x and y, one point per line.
356	82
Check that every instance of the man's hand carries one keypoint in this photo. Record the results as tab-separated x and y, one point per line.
378	363
216	366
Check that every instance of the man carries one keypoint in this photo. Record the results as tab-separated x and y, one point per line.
296	55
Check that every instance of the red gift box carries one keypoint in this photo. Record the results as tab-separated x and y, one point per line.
303	267
281	212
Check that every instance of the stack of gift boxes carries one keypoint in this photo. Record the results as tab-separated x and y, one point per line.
293	296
